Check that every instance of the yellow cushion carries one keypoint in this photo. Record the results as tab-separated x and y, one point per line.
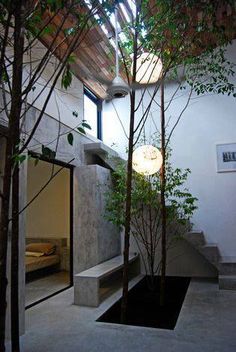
34	254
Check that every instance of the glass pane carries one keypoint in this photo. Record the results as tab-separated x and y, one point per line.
90	115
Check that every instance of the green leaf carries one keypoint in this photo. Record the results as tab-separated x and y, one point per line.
75	113
70	138
36	161
66	77
81	130
86	125
19	158
48	153
71	59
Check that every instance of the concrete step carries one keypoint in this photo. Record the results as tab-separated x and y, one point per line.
211	253
227	282
196	238
108	155
227	268
210	250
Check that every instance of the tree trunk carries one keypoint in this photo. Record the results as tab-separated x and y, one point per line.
124	302
12	142
15	263
163	205
125	282
3	240
17	90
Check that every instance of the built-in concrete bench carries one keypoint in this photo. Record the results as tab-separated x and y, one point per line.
87	283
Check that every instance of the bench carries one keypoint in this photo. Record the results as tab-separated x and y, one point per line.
87	283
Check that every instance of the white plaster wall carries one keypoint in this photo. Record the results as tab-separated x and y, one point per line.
208	120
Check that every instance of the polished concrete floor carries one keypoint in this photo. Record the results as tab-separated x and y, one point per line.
207	323
40	288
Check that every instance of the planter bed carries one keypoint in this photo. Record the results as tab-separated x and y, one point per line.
144	308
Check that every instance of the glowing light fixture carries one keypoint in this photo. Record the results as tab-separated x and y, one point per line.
147	160
149	68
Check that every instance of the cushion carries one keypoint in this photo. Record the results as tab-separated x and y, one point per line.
34	254
45	248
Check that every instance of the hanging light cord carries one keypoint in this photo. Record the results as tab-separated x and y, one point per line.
116	41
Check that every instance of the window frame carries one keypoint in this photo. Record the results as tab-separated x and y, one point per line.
98	102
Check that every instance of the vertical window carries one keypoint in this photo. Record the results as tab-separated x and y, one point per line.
92	113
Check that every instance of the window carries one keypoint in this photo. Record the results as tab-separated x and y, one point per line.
92	113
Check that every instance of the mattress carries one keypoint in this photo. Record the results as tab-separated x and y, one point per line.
35	263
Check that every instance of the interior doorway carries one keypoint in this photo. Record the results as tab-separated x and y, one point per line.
49	230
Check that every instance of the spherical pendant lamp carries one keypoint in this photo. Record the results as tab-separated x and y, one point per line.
147	160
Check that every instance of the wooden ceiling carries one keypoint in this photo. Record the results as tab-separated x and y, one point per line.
95	56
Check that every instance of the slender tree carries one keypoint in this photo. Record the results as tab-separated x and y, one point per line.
19	34
146	224
181	34
156	28
23	23
163	200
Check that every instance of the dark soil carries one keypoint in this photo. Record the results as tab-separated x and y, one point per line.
144	308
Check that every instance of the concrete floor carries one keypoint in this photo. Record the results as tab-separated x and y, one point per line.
45	286
207	323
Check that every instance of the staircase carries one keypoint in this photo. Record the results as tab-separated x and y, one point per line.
227	275
225	268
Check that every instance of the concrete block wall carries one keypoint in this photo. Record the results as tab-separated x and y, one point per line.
97	239
91	237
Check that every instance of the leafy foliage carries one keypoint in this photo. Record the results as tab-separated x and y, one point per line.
70	138
146	209
145	192
81	128
66	77
211	72
48	153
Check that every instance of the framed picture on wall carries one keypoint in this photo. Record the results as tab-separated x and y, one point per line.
226	157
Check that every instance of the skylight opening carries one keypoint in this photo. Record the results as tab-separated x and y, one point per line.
113	43
125	13
132	6
87	2
112	20
122	36
104	29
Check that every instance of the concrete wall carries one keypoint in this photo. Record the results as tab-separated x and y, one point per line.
22	196
97	239
89	183
182	260
47	134
208	120
65	105
58	122
63	102
49	214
